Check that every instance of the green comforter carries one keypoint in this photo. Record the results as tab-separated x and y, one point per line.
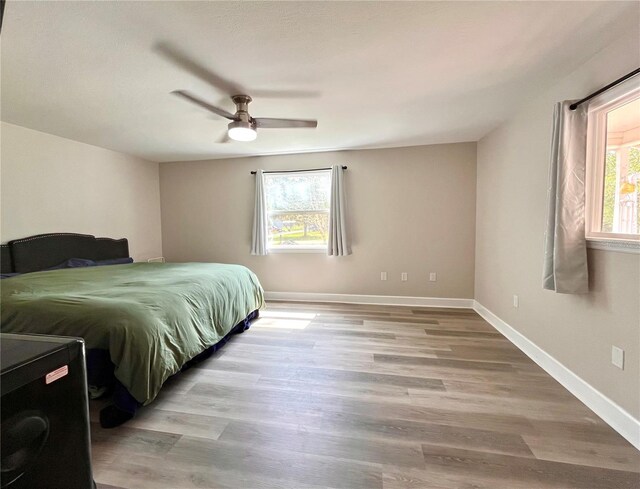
152	317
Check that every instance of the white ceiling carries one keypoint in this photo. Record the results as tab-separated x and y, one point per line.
374	74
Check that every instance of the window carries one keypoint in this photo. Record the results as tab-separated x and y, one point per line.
613	165
298	210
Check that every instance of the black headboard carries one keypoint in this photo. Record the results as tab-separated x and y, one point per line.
6	266
48	250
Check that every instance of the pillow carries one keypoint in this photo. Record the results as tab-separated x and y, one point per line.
74	263
114	261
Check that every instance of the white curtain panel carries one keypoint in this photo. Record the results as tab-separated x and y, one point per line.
565	253
339	244
259	235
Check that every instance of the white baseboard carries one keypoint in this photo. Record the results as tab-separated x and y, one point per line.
614	415
383	300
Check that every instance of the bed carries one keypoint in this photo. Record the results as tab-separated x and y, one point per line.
141	322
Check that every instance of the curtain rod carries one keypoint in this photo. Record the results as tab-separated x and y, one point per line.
604	89
253	172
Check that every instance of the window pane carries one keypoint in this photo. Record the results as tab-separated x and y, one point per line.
621	193
298	208
298	191
298	228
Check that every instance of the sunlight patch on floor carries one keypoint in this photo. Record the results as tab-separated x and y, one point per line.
283	320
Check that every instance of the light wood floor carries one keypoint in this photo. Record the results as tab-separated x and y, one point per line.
364	397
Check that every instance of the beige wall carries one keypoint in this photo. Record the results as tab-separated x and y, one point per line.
578	330
52	184
412	210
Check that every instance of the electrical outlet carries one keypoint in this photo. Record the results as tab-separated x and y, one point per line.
516	301
383	275
617	357
404	276
433	277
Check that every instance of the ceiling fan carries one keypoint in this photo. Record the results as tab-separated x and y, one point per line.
243	127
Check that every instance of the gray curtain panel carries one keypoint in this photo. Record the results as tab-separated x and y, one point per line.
339	244
565	252
259	235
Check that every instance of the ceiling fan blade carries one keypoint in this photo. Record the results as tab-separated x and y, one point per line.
185	62
203	104
271	123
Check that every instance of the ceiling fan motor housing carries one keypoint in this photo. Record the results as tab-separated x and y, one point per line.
243	128
242	107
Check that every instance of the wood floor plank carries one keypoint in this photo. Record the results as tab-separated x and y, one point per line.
240	351
179	423
538	473
233	410
342	447
296	372
193	375
279	342
376	377
442	362
577	432
106	445
551	391
531	409
609	456
504	354
370	390
143	472
367	348
397	430
288	466
464	334
334	321
408	319
423	479
324	330
378	326
331	396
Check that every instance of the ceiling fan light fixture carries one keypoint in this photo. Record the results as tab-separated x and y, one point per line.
242	131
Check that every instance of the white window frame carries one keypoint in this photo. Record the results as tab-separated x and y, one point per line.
595	159
296	248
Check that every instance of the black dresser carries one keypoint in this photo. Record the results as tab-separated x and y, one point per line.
44	428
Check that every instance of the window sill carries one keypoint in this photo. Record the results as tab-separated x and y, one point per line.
618	245
297	249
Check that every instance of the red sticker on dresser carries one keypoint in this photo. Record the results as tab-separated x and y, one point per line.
57	374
